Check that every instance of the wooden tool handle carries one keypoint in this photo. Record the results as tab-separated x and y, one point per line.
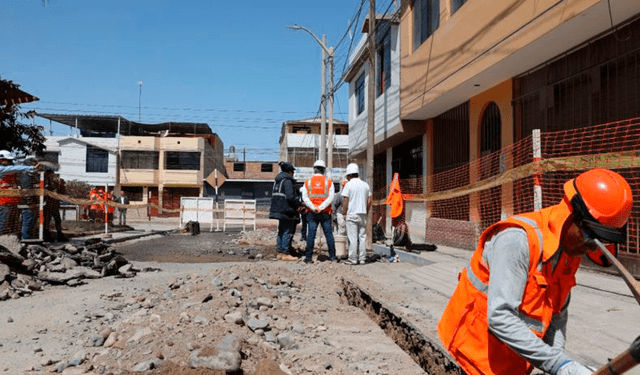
632	283
623	362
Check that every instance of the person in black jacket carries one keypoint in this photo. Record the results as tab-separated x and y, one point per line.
284	208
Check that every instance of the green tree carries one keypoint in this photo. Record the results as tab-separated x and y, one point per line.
15	135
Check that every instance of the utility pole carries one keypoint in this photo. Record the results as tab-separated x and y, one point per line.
330	146
371	113
327	55
323	104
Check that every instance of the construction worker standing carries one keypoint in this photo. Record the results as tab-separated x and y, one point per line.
284	208
318	193
356	204
508	313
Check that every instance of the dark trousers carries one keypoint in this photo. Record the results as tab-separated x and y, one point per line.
286	228
322	219
303	232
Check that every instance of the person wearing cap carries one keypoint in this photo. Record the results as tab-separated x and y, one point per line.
508	313
356	202
10	179
317	194
284	208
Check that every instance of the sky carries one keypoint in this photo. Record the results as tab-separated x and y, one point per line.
231	64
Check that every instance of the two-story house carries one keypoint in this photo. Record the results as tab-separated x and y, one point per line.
249	180
157	163
300	145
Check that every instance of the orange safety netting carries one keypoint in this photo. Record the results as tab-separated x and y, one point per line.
455	206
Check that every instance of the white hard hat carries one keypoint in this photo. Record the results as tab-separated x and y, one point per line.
320	163
352	169
4	154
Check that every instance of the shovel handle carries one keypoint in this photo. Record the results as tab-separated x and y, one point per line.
623	362
632	283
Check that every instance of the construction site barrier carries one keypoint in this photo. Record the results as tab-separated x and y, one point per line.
453	207
198	209
239	212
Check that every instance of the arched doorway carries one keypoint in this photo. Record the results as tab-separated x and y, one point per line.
490	142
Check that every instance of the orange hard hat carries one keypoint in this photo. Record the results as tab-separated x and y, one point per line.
602	199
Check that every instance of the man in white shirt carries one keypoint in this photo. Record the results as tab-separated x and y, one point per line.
356	203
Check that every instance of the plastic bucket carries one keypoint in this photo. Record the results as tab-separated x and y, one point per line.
341	246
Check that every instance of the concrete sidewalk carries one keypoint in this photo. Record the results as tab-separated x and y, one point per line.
604	317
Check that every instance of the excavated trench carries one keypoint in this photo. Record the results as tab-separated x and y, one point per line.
424	351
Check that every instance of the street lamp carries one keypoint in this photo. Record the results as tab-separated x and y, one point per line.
328	51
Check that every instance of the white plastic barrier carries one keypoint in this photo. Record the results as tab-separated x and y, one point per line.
197	209
239	212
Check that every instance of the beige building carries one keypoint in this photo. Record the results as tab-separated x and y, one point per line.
477	76
162	169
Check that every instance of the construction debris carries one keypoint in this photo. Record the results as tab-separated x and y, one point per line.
28	268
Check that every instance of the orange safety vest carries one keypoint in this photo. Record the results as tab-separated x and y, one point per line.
463	328
318	191
93	195
9	181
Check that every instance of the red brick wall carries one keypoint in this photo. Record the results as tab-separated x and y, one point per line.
253	170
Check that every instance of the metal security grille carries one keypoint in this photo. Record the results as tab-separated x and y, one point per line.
594	84
490	199
451	150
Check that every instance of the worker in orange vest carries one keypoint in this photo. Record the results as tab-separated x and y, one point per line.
318	193
9	179
94	207
508	313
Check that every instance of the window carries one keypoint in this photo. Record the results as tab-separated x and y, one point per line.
97	160
360	94
238	167
456	4
301	130
134	193
182	160
139	159
426	19
266	168
384	64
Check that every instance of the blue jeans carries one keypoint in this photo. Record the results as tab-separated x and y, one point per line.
285	235
5	215
314	220
28	221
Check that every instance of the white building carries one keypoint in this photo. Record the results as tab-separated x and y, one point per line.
88	159
300	145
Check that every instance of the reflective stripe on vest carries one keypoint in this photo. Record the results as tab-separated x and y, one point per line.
325	191
484	288
279	191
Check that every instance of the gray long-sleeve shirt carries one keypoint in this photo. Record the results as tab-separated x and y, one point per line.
507	256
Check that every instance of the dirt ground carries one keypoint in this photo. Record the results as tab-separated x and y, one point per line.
205	291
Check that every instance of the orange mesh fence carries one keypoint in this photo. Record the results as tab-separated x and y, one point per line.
463	201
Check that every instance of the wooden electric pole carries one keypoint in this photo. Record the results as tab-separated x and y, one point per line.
371	113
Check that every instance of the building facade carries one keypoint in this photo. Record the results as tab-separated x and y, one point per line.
300	145
249	180
161	170
479	76
91	160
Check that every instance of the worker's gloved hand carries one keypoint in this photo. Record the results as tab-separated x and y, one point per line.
574	368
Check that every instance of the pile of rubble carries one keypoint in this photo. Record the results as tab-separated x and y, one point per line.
27	268
233	319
